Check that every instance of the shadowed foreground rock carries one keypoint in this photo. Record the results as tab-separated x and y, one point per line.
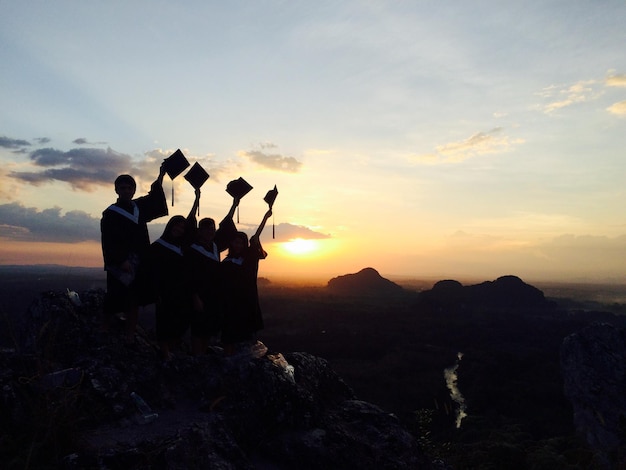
593	364
66	401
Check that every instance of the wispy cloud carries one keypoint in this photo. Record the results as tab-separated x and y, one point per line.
9	143
481	143
49	225
268	145
273	161
83	141
618	108
616	80
563	96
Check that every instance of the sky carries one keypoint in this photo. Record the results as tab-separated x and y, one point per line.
429	139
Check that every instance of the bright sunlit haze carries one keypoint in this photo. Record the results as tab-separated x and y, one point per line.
435	139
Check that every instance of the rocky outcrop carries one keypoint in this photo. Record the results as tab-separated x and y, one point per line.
75	399
366	282
506	293
593	365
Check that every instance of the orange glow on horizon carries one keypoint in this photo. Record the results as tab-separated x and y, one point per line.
85	254
318	259
300	247
303	258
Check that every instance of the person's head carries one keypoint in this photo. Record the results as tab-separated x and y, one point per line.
125	187
238	244
206	230
175	229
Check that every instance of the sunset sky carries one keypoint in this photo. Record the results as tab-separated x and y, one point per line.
444	139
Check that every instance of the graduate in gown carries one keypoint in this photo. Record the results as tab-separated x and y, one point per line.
242	312
125	243
202	259
170	283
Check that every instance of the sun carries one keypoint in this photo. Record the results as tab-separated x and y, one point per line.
300	246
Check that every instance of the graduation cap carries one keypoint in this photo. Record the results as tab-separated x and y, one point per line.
270	197
174	166
238	188
197	177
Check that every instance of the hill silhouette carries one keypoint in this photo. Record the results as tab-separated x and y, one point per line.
506	293
366	282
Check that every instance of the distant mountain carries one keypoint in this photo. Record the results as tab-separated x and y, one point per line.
505	293
366	282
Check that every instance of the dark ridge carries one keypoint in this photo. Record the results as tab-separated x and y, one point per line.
506	293
366	282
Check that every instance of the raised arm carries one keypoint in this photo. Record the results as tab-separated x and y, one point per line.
227	228
267	215
196	203
159	179
231	212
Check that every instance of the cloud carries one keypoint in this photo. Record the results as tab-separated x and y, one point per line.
618	108
28	224
19	145
272	161
268	145
567	95
286	232
213	167
481	143
82	168
83	141
616	80
9	143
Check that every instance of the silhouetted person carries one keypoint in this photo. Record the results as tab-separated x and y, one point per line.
171	286
242	313
202	259
125	243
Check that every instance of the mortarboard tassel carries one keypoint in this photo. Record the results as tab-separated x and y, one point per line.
237	214
273	227
172	194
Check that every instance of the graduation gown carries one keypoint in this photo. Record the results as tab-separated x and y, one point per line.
204	270
125	237
242	312
170	284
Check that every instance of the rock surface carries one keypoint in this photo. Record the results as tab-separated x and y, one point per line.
66	399
593	364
